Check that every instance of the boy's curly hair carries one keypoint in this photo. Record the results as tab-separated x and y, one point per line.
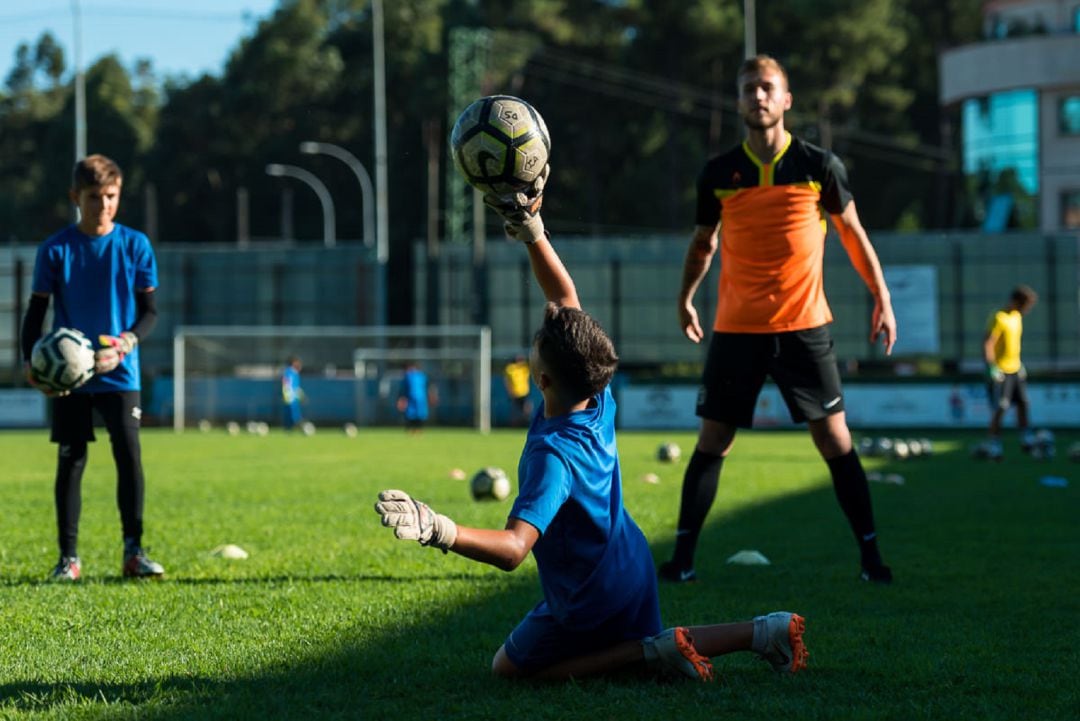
576	352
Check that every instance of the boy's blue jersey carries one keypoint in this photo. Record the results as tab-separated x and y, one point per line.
93	281
290	385
592	558
414	389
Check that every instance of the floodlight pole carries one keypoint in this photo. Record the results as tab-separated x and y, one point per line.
749	28
80	85
367	190
382	244
329	232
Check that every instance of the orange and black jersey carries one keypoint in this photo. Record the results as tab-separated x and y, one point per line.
772	234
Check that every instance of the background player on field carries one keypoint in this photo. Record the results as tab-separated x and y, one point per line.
415	397
292	395
516	380
1006	377
101	277
765	197
600	609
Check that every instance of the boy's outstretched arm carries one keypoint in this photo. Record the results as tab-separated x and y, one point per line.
413	520
521	215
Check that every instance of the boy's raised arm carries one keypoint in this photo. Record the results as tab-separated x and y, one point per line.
521	215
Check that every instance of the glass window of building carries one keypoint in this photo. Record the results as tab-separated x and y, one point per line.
1070	210
1001	157
1001	132
1069	115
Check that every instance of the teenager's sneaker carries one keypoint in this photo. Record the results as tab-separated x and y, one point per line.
67	570
137	565
876	574
673	649
670	571
778	640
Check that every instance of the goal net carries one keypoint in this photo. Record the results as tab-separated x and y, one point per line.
232	374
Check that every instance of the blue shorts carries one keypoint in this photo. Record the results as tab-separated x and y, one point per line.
292	414
540	640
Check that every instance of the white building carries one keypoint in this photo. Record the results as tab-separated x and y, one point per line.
1019	92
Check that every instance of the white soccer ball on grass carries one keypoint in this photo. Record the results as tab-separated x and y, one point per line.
669	452
490	483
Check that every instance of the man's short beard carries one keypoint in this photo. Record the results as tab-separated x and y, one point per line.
768	122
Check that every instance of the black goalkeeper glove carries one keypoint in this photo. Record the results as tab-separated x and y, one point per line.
520	211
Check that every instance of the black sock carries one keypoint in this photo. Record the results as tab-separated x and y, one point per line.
698	492
853	493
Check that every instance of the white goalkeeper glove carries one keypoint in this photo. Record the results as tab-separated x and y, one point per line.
521	211
116	347
415	521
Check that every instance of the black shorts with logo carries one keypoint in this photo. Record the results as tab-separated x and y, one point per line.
73	415
801	363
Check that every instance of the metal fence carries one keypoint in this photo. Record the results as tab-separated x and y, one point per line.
629	284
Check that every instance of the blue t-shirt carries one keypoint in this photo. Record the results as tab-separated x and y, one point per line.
414	389
592	558
92	281
290	385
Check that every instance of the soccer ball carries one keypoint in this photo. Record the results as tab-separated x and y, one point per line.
62	360
490	483
900	449
668	452
500	144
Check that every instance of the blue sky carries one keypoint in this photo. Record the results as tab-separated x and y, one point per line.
187	37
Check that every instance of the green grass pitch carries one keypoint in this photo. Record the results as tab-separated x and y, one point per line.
332	618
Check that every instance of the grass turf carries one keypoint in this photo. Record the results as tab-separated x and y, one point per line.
331	617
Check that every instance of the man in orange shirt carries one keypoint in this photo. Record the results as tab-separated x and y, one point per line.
772	193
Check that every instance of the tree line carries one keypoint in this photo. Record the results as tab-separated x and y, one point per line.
636	93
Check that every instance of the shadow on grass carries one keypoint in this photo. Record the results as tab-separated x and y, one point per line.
936	531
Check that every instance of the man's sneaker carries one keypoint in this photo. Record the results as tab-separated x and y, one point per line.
670	571
673	649
876	574
778	640
137	565
68	569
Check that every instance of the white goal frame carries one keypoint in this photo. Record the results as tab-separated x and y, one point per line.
481	354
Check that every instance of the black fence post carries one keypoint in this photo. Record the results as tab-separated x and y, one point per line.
958	299
277	301
17	335
616	301
525	276
1051	299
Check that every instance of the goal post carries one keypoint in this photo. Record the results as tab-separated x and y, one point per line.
350	373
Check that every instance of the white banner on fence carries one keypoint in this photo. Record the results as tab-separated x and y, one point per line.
914	291
22	408
899	405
